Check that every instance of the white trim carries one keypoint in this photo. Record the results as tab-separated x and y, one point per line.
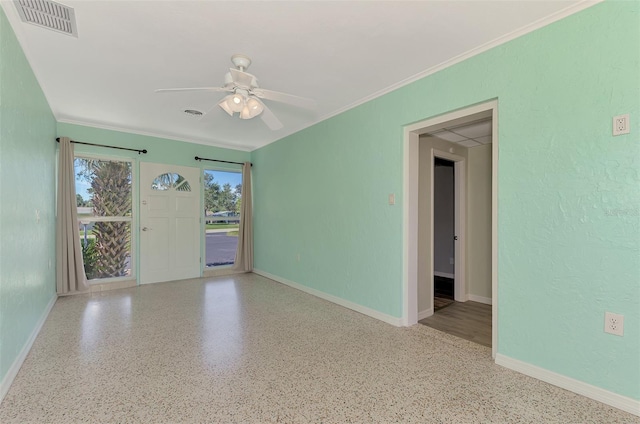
12	14
596	393
425	314
443	274
113	218
411	166
17	363
133	219
460	216
410	204
480	299
460	194
547	20
397	322
494	229
210	272
214	143
112	284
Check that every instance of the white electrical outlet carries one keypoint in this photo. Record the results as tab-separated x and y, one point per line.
614	323
298	257
392	199
621	124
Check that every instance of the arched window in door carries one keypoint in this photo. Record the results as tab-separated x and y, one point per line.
170	181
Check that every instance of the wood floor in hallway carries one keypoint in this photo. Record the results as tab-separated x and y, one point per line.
467	320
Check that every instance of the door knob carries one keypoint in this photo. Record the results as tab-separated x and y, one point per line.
145	229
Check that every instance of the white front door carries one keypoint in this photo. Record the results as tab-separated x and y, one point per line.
169	222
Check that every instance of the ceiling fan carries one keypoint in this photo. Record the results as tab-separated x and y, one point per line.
246	97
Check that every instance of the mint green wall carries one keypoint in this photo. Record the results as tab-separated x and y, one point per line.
569	194
27	175
160	150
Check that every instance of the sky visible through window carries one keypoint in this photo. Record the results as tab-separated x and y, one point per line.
81	188
223	177
220	177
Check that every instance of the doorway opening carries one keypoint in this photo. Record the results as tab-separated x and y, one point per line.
444	235
465	138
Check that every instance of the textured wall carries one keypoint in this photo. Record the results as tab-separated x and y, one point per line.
569	194
160	150
27	185
479	221
321	194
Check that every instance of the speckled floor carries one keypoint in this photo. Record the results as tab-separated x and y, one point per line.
245	349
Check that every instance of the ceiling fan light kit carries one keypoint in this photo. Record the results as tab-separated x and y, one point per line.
232	103
246	94
248	106
224	104
255	106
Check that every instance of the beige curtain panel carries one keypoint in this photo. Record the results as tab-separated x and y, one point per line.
70	276
244	252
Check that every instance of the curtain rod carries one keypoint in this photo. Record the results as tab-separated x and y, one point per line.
109	147
217	160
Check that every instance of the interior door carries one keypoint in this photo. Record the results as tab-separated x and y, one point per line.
169	222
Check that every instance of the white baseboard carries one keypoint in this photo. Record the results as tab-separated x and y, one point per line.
444	275
397	322
425	314
461	297
220	272
601	395
480	299
17	363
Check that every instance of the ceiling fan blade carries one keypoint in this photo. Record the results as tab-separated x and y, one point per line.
242	78
270	119
171	90
277	96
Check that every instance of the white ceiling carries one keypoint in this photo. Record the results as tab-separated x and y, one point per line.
340	53
471	134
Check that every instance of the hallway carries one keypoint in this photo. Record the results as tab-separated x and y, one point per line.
468	320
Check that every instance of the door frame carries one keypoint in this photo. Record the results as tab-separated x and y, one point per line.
411	166
460	229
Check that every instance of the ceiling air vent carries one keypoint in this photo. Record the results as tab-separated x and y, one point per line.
48	14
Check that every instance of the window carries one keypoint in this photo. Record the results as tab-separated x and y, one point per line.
222	200
104	200
167	181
